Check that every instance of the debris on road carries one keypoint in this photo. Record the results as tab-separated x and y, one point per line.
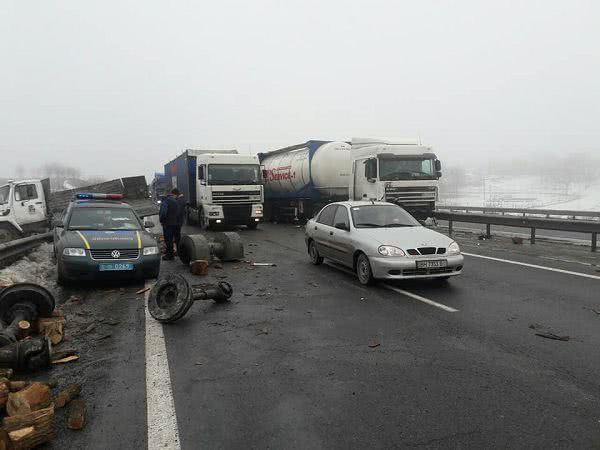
263	264
141	291
517	240
374	342
32	398
172	296
65	359
553	336
66	395
77	413
199	267
29	430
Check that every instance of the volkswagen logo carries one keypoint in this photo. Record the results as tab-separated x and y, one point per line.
116	254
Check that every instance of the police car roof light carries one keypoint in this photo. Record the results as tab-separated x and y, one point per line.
95	196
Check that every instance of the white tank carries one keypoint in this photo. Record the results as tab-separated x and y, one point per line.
291	171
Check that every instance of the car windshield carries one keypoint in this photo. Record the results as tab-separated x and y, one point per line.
221	174
382	216
103	219
393	169
4	193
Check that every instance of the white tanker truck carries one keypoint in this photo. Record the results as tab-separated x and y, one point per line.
302	178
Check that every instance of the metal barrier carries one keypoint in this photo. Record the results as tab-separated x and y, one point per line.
10	251
576	226
522	211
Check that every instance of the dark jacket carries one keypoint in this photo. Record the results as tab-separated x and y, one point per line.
181	205
169	211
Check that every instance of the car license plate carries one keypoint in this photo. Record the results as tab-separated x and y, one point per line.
115	266
432	264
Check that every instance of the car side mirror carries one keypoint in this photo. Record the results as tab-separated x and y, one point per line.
148	224
342	226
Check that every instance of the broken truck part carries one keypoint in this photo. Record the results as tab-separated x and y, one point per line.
27	355
23	302
227	246
172	296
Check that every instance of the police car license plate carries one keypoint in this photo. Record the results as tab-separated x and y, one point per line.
115	266
432	264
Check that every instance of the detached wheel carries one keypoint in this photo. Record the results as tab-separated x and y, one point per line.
363	270
315	257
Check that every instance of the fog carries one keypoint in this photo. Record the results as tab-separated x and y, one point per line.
118	88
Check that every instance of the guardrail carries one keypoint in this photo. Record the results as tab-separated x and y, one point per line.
576	226
10	251
522	211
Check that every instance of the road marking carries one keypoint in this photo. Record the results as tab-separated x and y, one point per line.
163	432
421	299
535	266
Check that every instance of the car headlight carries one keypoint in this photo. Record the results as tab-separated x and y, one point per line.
150	251
453	249
390	250
71	251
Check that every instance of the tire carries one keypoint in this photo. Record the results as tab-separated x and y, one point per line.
363	270
252	225
61	280
313	252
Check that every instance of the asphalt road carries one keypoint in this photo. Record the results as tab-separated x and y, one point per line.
305	357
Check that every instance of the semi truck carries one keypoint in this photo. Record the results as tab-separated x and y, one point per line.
221	187
299	180
28	207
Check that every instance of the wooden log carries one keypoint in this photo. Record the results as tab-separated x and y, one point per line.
16	386
42	422
66	395
52	327
77	411
4	391
199	267
33	397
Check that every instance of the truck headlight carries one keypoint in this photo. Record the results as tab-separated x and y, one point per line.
453	249
150	251
390	250
71	251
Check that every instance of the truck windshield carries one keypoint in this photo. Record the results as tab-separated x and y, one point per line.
4	193
105	219
233	174
382	216
393	169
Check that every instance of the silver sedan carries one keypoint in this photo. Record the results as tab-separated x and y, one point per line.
380	240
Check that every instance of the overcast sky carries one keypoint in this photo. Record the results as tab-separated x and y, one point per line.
118	88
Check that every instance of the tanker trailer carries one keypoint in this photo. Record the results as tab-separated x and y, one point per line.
301	179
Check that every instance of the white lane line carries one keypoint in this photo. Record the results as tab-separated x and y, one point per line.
163	432
535	266
421	299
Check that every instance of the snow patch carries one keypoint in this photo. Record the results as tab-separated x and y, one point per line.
37	267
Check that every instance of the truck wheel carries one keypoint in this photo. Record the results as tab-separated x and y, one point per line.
7	233
203	221
315	258
363	270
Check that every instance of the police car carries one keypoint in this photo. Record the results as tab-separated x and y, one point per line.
101	237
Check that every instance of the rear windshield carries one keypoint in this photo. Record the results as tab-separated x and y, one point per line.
382	216
103	219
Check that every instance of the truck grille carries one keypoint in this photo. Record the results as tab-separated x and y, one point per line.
224	197
107	255
410	195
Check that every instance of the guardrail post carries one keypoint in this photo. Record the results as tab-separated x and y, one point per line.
594	241
450	227
532	235
488	230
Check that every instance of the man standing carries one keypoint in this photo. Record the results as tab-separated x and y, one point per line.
168	215
181	210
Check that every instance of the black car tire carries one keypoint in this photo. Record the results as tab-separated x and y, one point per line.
313	252
363	270
61	280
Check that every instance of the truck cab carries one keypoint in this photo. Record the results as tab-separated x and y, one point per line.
229	190
402	172
23	208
